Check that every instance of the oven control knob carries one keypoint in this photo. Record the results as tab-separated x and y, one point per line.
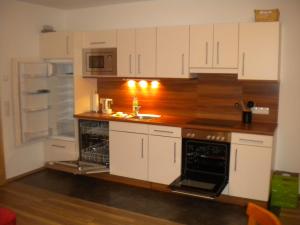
222	138
192	135
208	137
213	137
188	134
218	138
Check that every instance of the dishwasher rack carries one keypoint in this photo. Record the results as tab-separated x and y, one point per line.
94	142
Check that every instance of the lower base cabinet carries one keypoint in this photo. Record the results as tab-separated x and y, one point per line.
145	152
128	154
164	159
250	166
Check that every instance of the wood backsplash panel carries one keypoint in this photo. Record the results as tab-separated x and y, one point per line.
208	96
263	93
217	95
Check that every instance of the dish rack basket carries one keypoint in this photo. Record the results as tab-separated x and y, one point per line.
98	153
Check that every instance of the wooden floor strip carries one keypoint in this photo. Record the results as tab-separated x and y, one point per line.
35	206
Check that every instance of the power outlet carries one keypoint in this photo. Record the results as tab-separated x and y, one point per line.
261	110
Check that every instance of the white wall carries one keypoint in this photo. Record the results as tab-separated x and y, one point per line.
173	12
20	24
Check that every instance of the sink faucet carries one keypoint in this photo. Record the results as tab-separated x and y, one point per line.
135	106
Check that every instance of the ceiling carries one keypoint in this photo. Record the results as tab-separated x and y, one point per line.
77	4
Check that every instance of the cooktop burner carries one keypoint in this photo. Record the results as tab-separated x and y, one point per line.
210	122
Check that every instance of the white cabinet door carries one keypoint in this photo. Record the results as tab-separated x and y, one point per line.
128	154
100	39
250	171
164	159
145	52
126	52
259	51
201	46
173	52
56	45
226	45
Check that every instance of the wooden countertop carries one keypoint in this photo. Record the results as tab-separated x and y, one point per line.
187	122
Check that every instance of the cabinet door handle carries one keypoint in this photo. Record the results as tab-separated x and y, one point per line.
164	131
139	63
98	43
175	152
142	152
182	64
252	141
67	44
243	63
218	52
235	159
58	146
206	53
130	62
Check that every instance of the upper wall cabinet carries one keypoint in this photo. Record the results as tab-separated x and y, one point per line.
137	52
56	45
173	52
100	39
214	48
259	51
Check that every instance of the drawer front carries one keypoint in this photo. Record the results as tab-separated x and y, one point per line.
165	131
252	139
129	127
59	150
101	39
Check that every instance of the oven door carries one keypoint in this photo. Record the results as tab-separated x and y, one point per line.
205	167
100	62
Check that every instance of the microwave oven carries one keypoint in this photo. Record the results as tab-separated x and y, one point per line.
99	62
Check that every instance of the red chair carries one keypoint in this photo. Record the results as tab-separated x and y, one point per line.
7	217
260	216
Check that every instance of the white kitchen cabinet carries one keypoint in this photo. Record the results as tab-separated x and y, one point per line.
128	150
128	154
145	152
56	45
164	159
250	166
259	51
137	52
100	39
201	46
214	48
226	45
145	52
126	52
173	52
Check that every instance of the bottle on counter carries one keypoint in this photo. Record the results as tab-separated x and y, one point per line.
135	106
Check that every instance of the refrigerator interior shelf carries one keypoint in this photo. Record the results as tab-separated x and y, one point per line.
38	92
36	109
35	76
32	135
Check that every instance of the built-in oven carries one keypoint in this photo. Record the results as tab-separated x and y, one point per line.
205	163
99	62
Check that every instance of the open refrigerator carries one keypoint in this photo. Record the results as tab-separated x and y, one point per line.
43	94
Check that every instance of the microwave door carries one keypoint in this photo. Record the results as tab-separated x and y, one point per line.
95	63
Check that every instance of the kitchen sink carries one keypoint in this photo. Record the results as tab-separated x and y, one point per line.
146	116
139	116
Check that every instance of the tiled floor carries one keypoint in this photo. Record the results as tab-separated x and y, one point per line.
181	209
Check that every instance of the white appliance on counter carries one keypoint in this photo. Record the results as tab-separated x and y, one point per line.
43	94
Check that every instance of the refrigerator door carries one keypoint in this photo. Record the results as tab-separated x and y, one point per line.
30	100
